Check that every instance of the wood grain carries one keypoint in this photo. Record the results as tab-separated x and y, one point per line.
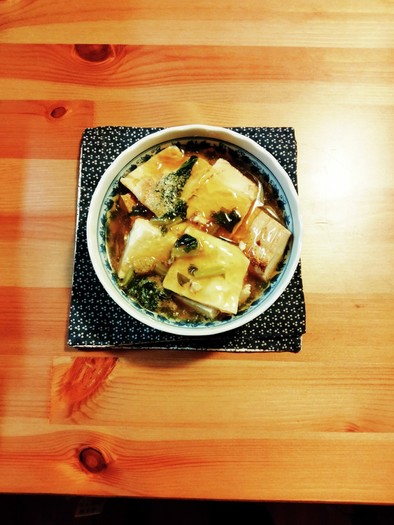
265	23
23	122
299	406
168	70
313	426
120	65
230	469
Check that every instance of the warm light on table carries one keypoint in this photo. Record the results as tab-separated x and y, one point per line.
312	426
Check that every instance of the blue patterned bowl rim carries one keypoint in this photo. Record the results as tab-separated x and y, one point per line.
104	192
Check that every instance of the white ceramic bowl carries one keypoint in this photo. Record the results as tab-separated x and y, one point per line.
101	202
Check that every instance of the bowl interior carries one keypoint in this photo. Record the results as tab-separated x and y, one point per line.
243	152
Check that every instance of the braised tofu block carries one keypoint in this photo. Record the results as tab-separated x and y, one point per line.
224	191
264	241
146	247
208	270
143	180
159	182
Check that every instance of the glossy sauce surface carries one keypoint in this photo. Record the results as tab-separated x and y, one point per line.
228	225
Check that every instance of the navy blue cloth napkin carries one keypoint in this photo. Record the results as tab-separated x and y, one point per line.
96	322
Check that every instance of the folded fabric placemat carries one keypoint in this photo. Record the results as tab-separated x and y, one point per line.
97	322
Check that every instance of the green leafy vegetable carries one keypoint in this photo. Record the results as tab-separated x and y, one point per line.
148	291
186	243
227	219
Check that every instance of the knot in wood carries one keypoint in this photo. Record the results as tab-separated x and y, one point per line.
92	459
58	112
95	52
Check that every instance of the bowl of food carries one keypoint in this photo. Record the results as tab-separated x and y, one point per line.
194	230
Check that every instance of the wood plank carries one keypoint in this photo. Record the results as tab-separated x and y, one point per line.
115	392
148	78
122	65
277	468
330	24
206	104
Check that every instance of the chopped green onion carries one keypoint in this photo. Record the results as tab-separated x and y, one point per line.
182	279
186	244
209	271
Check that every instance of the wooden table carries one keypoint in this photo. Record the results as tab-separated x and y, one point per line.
312	426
